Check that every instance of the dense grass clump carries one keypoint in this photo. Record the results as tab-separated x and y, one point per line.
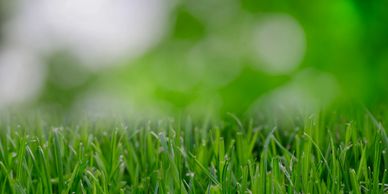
322	154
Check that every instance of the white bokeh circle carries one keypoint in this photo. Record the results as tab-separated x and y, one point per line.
279	43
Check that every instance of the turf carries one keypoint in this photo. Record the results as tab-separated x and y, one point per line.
325	153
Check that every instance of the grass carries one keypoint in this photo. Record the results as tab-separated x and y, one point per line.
327	153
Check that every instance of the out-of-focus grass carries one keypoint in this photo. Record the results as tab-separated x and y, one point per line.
333	152
208	58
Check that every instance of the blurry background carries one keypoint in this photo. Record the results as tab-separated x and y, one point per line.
203	57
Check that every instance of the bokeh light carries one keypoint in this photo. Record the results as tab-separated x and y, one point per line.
280	43
98	33
21	77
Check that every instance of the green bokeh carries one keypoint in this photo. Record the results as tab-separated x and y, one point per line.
203	63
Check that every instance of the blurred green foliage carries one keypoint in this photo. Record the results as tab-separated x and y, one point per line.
204	62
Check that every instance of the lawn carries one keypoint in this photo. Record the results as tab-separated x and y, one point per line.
329	152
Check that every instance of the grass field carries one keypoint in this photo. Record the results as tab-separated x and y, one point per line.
324	153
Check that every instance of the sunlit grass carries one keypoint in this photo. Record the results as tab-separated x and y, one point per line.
329	153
